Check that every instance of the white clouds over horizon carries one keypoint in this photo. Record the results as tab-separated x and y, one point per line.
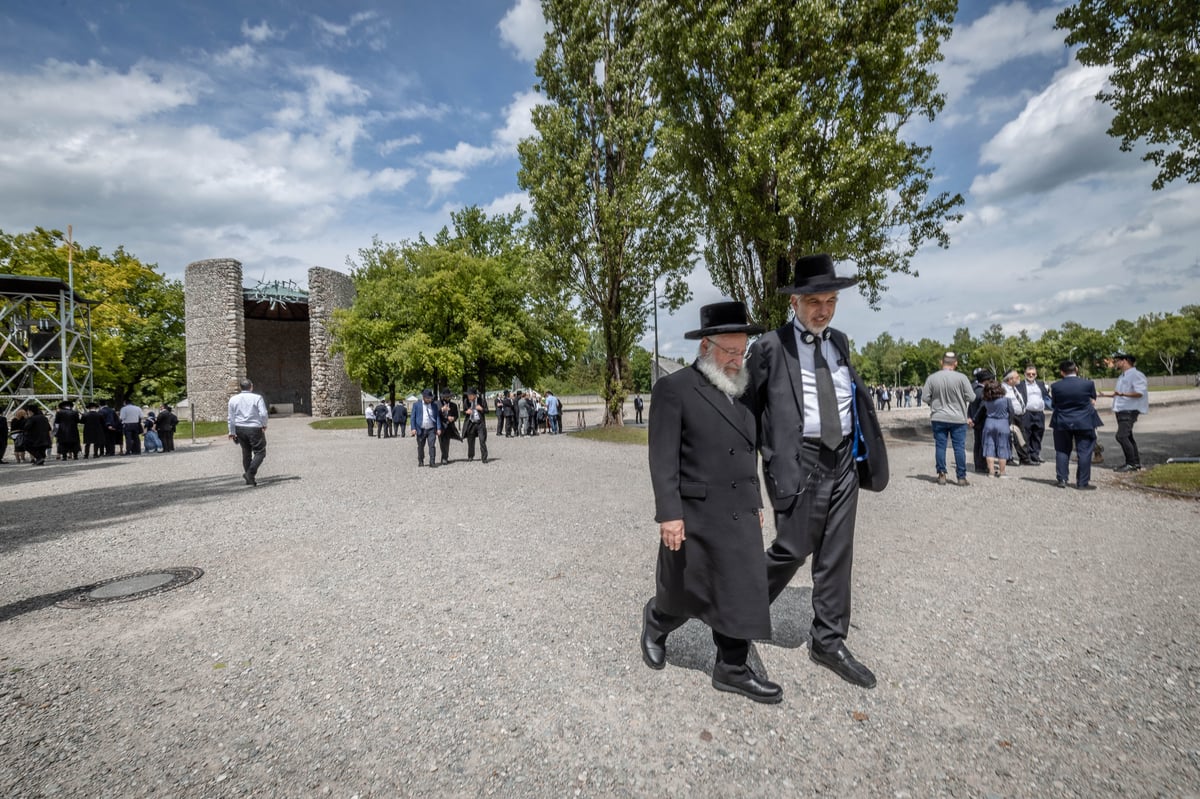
523	28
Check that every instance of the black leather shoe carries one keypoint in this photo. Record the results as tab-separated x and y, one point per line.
1061	484
249	478
1088	487
745	682
843	664
654	650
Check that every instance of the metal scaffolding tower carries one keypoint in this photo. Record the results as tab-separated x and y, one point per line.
45	343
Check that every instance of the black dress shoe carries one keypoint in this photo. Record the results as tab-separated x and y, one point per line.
742	680
1088	487
1061	484
654	650
843	664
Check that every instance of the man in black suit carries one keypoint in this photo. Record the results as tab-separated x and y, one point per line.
474	424
817	433
1074	420
1035	397
704	469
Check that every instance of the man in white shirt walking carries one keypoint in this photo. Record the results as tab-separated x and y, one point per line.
248	427
1130	398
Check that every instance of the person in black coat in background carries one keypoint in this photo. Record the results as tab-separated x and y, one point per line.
707	502
93	431
37	435
475	424
449	411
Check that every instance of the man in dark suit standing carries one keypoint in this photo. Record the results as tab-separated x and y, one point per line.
815	421
1074	420
704	469
1035	397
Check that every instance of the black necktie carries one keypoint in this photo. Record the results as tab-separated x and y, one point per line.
827	404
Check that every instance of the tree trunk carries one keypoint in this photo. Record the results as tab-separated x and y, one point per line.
614	391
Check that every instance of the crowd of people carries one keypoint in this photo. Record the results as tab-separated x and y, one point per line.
903	396
1008	417
97	431
435	420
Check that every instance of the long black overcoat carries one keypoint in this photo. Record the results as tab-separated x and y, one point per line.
704	469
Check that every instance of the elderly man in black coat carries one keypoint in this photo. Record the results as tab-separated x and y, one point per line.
704	469
820	443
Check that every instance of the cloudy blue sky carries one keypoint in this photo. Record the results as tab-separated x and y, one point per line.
287	134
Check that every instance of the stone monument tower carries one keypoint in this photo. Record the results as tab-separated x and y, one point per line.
276	334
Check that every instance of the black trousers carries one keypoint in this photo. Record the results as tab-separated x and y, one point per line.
731	652
444	442
133	439
476	431
1033	424
254	447
1125	422
168	440
820	522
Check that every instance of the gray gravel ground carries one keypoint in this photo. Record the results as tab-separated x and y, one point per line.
365	628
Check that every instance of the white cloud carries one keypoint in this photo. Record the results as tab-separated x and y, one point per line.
523	28
1059	137
392	145
463	156
518	120
441	181
262	32
518	125
64	98
242	56
364	27
1007	32
508	203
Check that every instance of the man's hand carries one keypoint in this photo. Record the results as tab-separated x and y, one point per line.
672	534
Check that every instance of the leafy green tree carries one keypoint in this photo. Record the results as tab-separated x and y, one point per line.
1091	349
924	358
786	122
640	366
138	347
609	220
1169	338
1153	49
470	308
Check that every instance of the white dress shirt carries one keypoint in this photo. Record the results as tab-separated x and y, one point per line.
247	409
841	384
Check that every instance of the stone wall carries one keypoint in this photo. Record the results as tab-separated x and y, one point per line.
277	361
333	392
215	327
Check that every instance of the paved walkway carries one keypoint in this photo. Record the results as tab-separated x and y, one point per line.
365	628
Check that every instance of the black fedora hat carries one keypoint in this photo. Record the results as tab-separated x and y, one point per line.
814	274
723	317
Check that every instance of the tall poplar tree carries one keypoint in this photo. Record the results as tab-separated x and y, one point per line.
609	220
787	122
1153	50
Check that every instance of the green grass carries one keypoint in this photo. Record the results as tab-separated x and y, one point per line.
1182	477
203	429
1169	388
340	423
615	435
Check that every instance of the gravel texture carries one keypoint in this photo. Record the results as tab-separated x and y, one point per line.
367	628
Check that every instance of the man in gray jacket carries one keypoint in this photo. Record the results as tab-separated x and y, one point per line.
949	394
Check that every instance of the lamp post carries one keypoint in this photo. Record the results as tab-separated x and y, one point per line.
898	368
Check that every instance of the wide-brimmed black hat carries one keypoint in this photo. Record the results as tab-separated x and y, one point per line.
814	274
724	317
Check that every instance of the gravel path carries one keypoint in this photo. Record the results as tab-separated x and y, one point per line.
365	628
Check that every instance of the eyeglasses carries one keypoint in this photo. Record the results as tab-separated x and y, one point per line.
732	353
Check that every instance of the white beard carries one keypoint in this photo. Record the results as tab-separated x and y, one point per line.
731	387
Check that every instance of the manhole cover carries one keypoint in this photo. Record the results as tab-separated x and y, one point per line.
131	587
